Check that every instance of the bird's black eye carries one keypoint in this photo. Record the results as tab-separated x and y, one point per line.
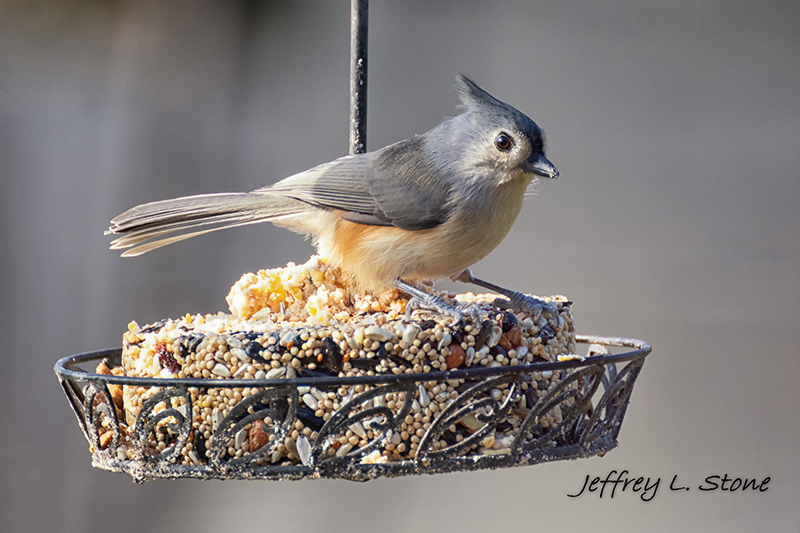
504	142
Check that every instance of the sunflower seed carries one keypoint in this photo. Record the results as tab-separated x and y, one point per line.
221	370
304	450
446	340
310	401
376	333
424	399
239	438
358	429
343	449
240	354
276	372
410	333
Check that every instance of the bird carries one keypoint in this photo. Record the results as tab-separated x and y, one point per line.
424	208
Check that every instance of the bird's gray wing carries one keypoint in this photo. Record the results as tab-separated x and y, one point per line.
394	186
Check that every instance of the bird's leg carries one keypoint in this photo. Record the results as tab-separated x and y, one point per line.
424	300
516	300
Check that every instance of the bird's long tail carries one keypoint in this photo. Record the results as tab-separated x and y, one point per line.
150	226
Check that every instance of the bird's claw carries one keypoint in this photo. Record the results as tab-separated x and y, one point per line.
513	299
523	302
460	314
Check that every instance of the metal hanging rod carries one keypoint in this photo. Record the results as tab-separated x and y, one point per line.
359	12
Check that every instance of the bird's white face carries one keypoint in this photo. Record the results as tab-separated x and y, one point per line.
507	149
506	153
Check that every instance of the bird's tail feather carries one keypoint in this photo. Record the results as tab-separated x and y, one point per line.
150	226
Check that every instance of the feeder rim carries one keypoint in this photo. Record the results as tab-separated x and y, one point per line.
65	368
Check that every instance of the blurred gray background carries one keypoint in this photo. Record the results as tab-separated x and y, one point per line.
676	128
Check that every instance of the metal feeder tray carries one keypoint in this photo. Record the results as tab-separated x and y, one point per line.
590	420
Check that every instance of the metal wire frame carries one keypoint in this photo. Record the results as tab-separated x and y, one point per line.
591	418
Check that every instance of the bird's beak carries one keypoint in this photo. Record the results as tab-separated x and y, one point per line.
541	166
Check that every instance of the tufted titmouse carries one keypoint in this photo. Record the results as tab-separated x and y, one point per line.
423	208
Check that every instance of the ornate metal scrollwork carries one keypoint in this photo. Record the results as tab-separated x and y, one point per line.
156	412
75	398
358	410
278	405
574	417
98	406
571	403
607	415
475	401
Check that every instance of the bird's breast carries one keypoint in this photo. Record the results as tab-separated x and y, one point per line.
376	256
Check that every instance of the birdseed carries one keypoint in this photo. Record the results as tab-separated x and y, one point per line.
301	321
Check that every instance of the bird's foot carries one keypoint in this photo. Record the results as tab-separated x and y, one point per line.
432	302
523	302
513	299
